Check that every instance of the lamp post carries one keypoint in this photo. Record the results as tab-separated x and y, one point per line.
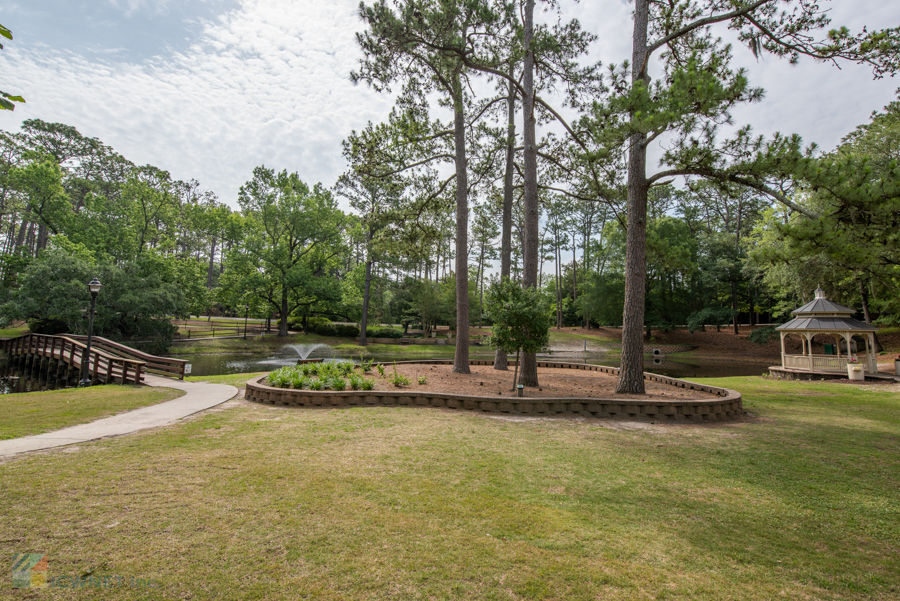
94	286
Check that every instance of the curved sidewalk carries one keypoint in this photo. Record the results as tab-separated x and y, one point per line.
198	397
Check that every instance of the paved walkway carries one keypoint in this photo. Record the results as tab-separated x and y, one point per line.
198	396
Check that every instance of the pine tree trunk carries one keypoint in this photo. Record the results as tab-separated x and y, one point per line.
212	264
631	374
865	300
500	361
461	356
481	287
528	372
282	320
752	305
367	294
556	283
734	306
574	277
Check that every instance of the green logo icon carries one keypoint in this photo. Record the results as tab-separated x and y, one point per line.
30	570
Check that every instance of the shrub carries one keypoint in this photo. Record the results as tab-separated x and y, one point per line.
717	316
423	380
398	380
367	384
49	325
298	380
355	382
764	335
346	331
323	329
316	385
338	384
344	368
383	333
380	369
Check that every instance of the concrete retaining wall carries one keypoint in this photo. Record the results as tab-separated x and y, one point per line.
726	406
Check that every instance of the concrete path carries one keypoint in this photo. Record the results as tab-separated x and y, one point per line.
198	396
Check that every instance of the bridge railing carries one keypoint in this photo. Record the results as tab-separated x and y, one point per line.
162	366
102	366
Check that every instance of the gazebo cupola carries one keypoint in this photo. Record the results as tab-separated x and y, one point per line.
822	316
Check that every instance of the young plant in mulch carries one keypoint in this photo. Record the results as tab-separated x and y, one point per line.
398	380
423	380
521	319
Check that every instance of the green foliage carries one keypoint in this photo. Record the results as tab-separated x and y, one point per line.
717	316
48	325
316	376
134	305
764	335
6	100
383	333
398	380
355	381
423	380
521	317
292	232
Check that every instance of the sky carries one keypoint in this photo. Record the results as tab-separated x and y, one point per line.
210	89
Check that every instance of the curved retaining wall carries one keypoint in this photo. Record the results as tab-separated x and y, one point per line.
726	406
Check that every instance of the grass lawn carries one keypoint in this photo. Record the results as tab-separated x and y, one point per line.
14	331
236	380
799	501
38	412
559	336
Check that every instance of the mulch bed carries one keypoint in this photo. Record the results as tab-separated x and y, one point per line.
554	383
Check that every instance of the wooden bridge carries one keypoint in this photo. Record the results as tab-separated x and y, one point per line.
63	357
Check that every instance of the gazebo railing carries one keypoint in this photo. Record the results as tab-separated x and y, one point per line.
817	362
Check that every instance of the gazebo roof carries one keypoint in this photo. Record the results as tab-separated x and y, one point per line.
834	324
823	314
821	305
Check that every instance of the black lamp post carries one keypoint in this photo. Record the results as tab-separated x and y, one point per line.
94	286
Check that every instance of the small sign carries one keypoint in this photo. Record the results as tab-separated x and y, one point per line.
187	368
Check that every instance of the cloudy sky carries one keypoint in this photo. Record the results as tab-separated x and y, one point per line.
208	89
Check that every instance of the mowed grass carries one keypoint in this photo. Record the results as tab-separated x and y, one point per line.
236	380
799	501
29	413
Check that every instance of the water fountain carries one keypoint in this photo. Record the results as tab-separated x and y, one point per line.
304	350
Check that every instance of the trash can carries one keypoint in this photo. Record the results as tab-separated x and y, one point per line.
855	371
897	366
829	349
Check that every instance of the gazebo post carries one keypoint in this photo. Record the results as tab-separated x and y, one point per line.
782	348
809	338
870	359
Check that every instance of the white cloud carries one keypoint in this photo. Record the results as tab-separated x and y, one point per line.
267	85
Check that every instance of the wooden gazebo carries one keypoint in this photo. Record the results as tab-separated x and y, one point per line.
822	316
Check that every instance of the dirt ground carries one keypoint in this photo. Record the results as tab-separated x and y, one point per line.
555	383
